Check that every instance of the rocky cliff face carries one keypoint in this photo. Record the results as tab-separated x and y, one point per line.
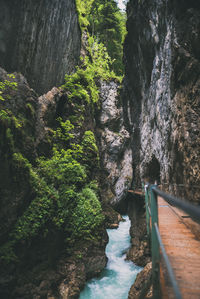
161	92
115	150
40	39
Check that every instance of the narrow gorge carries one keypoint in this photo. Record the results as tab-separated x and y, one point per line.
94	100
161	92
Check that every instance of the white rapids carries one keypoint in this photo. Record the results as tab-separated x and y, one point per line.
116	279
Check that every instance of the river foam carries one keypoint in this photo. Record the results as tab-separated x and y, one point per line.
118	276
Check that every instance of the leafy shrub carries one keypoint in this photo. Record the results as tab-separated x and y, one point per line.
90	156
83	83
84	9
87	215
7	85
63	197
62	169
104	20
40	209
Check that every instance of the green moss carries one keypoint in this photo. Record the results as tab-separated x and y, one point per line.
7	254
63	132
17	122
4	115
83	9
6	86
90	155
30	109
89	142
77	119
9	137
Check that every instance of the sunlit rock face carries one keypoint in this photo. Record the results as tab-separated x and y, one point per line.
40	39
161	92
116	154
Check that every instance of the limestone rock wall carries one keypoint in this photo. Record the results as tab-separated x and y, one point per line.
115	150
40	39
161	92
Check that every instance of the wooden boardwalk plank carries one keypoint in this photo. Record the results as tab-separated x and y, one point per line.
183	250
138	192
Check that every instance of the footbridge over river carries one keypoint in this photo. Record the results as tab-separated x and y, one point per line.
173	226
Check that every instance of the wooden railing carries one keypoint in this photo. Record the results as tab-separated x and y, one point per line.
157	247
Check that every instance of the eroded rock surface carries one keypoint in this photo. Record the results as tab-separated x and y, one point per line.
161	93
142	285
40	39
139	252
116	153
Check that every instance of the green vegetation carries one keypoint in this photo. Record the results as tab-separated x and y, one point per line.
83	83
106	23
61	187
103	56
64	194
65	199
6	115
87	215
84	9
63	191
5	87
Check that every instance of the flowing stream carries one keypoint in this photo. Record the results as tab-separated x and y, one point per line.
116	279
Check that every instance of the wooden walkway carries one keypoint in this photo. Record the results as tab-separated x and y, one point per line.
181	238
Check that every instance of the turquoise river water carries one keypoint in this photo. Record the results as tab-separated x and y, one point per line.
116	279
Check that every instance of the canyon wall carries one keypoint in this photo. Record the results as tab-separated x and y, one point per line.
161	93
114	146
38	258
40	39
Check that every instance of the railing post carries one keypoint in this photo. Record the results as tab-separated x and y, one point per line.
155	248
147	209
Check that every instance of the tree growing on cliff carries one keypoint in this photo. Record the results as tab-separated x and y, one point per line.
107	23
